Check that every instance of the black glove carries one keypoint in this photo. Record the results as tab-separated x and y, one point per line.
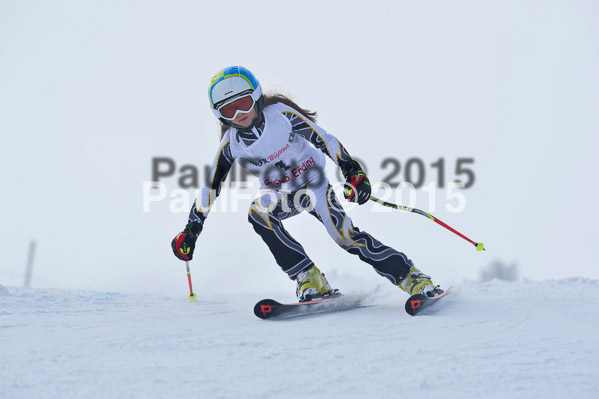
185	242
357	186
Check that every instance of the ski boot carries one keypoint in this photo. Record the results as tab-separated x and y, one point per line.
417	282
312	284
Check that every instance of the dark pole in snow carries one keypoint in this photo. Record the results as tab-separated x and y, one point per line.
29	269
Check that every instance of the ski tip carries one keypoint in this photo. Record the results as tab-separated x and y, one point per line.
265	308
414	303
418	302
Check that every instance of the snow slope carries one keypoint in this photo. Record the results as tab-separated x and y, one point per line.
494	340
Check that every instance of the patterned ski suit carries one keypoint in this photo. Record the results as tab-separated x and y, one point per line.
285	150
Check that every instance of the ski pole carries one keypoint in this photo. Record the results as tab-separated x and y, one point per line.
192	295
478	245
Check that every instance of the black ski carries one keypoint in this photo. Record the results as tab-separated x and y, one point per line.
418	302
269	308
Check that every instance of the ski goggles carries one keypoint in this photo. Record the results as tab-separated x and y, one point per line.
232	108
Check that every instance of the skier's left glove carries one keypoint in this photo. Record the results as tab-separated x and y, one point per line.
357	186
184	243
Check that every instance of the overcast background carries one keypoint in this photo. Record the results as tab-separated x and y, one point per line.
91	91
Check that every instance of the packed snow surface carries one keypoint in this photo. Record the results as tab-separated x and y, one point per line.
492	340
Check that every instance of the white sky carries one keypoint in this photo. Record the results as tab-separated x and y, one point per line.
91	91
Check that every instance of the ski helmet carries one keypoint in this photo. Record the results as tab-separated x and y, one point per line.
231	83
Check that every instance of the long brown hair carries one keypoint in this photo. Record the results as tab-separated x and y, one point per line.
273	98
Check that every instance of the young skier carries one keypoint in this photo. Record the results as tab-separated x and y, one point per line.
281	144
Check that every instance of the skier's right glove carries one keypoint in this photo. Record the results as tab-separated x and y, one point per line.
184	243
357	185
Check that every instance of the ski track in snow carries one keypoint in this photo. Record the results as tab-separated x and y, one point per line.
492	340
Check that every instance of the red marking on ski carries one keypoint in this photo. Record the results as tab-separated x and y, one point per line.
415	304
266	309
